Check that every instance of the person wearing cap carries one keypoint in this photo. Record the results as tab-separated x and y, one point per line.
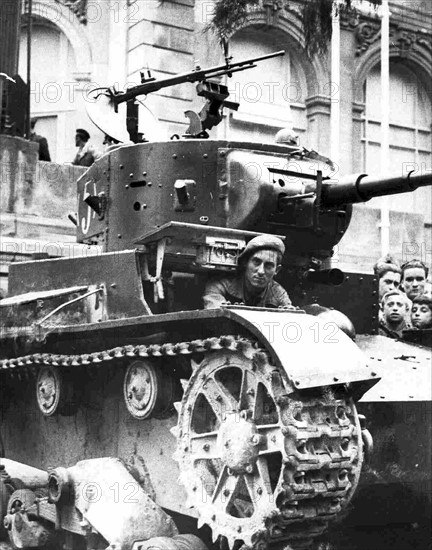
253	285
86	154
44	153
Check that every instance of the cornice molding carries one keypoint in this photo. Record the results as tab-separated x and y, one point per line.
78	7
403	37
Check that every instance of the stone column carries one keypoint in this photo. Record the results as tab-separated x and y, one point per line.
318	115
347	64
358	110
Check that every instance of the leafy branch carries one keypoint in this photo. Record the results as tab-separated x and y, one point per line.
316	15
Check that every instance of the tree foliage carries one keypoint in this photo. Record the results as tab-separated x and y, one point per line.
230	15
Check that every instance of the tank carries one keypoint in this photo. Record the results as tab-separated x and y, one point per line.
132	418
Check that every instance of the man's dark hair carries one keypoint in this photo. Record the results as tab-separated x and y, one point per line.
83	134
423	300
386	264
414	264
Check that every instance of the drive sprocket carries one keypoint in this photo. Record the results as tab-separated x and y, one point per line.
231	444
258	462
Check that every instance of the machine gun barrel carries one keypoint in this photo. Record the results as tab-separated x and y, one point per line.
361	187
153	85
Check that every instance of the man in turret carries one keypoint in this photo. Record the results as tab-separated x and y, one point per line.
253	285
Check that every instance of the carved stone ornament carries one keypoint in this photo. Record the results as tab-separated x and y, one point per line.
78	7
366	33
274	5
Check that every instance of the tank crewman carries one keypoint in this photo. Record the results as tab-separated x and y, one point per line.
389	275
253	285
421	312
86	154
44	153
395	306
414	274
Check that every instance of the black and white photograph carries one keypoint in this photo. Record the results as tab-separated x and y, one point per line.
215	274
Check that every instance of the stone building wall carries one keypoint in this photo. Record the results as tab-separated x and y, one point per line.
35	200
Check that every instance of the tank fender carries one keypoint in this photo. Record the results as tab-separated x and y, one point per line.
406	374
312	352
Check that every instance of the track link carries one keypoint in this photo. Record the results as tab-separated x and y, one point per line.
320	446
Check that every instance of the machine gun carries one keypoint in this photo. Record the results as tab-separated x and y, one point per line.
214	93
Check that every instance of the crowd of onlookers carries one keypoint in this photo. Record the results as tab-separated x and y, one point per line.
405	296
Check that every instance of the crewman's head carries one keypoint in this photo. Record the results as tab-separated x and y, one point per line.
394	306
81	137
414	275
421	312
260	261
389	274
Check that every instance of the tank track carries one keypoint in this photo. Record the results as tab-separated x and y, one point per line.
322	447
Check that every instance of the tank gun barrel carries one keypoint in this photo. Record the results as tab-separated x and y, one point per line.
198	75
361	187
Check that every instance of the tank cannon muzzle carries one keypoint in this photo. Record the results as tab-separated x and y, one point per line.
332	277
361	187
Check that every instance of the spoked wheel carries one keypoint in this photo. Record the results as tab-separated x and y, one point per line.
259	462
232	445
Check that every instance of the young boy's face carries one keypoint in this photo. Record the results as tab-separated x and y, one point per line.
394	309
421	316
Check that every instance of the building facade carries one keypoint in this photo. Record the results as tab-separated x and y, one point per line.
81	44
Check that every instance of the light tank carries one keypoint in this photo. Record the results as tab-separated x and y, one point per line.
134	419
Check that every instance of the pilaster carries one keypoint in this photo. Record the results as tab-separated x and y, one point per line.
318	117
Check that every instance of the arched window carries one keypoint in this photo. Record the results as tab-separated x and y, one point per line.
410	119
409	135
271	96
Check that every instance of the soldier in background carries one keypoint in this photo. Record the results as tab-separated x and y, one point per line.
44	153
86	154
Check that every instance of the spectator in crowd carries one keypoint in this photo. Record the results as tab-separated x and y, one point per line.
389	275
428	289
414	274
395	307
44	153
421	312
86	154
253	285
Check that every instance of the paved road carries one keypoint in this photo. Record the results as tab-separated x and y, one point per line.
391	537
